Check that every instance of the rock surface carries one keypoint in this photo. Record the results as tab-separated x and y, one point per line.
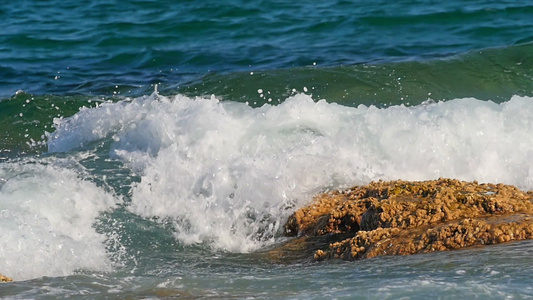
402	217
5	279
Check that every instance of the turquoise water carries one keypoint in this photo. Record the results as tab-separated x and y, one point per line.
155	149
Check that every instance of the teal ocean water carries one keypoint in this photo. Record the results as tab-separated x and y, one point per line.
154	149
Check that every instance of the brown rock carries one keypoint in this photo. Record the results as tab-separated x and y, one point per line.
5	279
401	217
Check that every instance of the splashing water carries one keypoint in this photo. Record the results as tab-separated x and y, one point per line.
226	174
47	215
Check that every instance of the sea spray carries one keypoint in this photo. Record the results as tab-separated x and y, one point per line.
227	175
47	217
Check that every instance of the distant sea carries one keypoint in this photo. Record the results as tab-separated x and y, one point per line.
153	149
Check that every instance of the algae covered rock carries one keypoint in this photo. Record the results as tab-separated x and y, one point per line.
402	217
5	279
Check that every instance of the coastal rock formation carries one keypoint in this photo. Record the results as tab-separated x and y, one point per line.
5	279
402	217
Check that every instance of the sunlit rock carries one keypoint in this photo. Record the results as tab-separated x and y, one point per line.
402	217
5	279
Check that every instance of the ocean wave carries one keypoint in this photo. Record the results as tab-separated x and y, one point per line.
487	74
47	215
227	175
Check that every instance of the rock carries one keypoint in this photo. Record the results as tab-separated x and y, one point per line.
5	279
402	217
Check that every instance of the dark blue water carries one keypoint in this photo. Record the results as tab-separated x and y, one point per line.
156	148
65	47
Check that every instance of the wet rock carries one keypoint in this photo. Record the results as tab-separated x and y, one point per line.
402	217
5	279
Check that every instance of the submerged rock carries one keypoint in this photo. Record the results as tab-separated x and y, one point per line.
5	279
402	217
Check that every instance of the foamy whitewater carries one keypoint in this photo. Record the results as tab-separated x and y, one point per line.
220	177
228	175
47	215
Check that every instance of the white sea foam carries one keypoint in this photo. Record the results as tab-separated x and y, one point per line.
225	173
46	222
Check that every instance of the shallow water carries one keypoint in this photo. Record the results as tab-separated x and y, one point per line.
491	273
154	149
